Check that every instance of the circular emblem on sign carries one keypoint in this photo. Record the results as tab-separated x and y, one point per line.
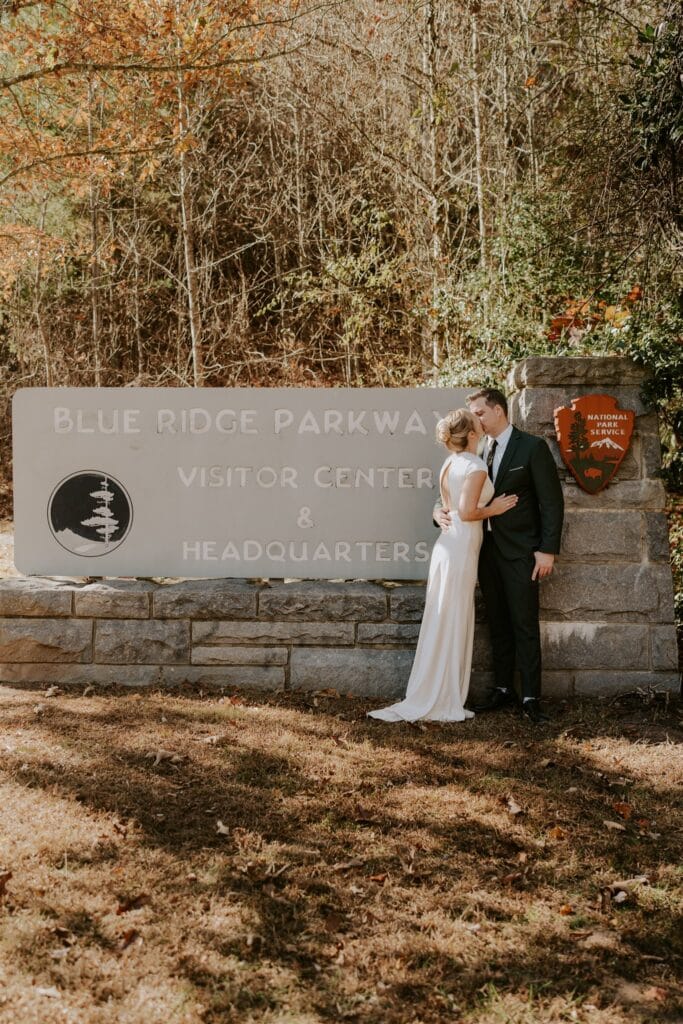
90	513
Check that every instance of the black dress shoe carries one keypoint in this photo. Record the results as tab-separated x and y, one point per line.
500	698
531	709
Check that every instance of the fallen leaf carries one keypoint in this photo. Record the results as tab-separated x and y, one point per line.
346	865
4	879
329	692
629	884
616	826
51	993
625	811
134	903
600	940
380	879
513	807
656	994
363	816
557	833
222	829
341	742
513	877
530	81
163	755
59	954
546	763
51	691
566	909
130	936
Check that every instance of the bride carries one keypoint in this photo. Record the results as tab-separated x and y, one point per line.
440	676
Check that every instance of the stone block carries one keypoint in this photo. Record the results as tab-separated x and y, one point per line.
600	535
407	604
239	655
35	596
205	599
592	683
319	633
635	494
325	601
575	646
651	455
664	648
533	409
114	599
405	633
630	592
81	675
594	373
657	537
45	640
259	677
367	672
132	642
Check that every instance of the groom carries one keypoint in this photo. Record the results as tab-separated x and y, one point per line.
518	551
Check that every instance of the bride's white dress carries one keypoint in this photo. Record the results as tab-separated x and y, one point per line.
440	676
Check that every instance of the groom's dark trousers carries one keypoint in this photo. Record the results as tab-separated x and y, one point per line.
506	561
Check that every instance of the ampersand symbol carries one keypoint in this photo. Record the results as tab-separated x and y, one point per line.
304	518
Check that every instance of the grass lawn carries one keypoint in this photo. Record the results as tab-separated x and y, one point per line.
279	858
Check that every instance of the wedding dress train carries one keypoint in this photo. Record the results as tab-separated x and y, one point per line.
440	676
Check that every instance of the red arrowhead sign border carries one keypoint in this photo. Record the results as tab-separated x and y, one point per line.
594	436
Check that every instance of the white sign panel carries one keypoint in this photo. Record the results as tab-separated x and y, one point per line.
313	483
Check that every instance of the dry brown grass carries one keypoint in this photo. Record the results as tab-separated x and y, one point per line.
361	871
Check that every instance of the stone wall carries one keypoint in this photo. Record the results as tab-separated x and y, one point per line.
607	611
356	637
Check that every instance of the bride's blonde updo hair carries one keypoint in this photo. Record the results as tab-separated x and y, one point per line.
454	428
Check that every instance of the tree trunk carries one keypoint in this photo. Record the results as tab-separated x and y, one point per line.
94	248
187	232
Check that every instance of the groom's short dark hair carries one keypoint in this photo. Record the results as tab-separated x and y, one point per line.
492	396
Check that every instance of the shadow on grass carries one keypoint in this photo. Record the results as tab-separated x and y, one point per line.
377	914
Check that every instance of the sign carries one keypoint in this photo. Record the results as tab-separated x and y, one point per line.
313	483
594	436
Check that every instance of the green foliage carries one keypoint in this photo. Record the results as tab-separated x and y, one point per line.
676	542
656	342
655	103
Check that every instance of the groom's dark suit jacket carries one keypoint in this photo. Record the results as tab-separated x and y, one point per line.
535	523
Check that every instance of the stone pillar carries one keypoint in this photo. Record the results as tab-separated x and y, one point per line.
607	611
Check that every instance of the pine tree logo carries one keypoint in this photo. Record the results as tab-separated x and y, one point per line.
578	436
103	519
90	513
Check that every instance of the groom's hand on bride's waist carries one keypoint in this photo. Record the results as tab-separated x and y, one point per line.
544	565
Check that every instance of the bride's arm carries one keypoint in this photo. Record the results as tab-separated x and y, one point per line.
470	495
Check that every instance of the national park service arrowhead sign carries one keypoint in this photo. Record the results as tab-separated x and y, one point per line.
594	435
